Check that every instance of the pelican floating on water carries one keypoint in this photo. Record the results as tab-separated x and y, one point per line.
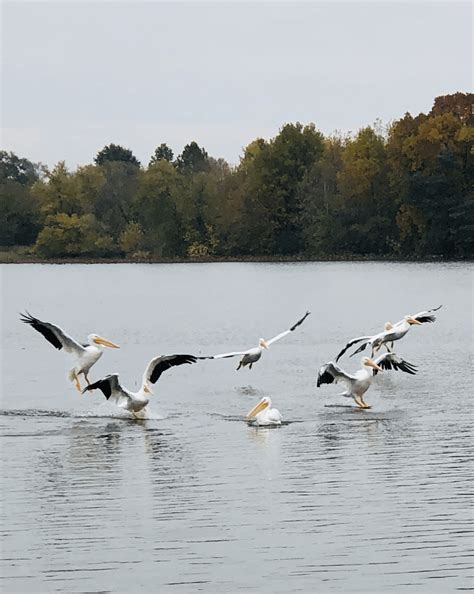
251	356
135	402
86	354
358	384
391	333
264	414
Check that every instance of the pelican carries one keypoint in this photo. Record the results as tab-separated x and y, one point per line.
264	414
251	356
391	333
135	402
358	384
86	354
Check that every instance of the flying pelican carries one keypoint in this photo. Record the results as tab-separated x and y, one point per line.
264	414
86	354
358	384
251	356
136	401
391	333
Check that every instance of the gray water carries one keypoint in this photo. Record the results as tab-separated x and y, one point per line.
193	499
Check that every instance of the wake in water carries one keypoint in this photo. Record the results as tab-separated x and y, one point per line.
95	414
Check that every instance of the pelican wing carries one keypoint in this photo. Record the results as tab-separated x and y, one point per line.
426	316
53	334
393	361
111	387
160	364
352	342
282	334
227	355
330	372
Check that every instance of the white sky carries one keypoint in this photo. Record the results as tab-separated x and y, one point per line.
79	75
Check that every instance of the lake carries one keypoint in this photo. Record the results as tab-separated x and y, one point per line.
195	500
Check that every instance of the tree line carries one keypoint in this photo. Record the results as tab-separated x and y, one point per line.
402	191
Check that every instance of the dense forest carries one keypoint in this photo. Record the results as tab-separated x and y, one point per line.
404	191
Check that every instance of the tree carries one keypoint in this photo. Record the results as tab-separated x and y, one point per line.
162	153
271	174
155	210
20	219
18	169
115	152
193	159
73	235
113	206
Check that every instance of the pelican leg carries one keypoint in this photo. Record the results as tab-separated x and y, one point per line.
250	366
240	365
359	403
76	381
364	403
86	378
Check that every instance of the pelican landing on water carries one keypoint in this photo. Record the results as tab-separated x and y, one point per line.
86	355
264	414
358	384
135	402
251	356
391	333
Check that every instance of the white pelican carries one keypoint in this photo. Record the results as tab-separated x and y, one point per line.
391	333
136	401
251	356
358	384
86	354
264	414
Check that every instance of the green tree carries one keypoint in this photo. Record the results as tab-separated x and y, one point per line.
155	210
193	159
115	152
18	169
72	235
113	205
162	153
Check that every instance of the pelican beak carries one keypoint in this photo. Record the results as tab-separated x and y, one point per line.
413	321
106	342
257	408
373	364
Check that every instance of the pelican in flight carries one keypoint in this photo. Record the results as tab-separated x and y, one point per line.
251	356
264	414
358	384
135	402
391	333
86	355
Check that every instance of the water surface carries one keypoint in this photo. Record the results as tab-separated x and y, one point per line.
193	499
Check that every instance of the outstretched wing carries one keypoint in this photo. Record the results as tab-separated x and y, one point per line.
352	342
282	334
160	364
426	316
393	361
227	355
109	385
330	372
53	334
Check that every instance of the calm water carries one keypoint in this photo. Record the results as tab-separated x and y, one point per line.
193	499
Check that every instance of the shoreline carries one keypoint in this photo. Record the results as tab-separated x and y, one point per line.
23	259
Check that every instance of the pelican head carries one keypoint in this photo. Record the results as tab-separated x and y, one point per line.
388	326
368	362
95	339
412	321
147	389
262	405
262	343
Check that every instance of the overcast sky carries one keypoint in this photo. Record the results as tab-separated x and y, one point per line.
79	75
